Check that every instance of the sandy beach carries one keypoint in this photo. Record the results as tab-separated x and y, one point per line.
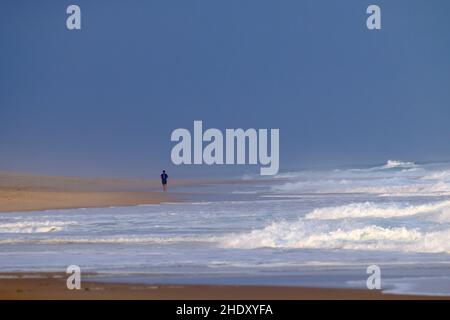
53	286
235	150
28	192
25	192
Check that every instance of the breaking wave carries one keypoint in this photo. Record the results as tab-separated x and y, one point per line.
370	209
300	236
443	175
398	164
395	178
380	187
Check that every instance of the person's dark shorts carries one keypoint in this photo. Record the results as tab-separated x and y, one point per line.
164	181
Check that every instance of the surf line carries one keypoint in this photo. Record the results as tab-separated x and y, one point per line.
235	140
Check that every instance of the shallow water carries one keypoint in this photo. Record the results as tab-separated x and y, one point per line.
311	228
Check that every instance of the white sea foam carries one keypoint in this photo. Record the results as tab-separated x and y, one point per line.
33	226
109	240
410	180
442	175
298	235
380	187
370	209
398	164
412	189
390	164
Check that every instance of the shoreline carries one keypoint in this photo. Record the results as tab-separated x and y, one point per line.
46	286
24	192
21	192
36	200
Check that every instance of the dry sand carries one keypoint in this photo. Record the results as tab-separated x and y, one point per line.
26	192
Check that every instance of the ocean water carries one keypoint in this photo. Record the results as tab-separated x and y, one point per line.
319	228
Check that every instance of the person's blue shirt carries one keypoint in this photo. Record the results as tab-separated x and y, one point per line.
164	177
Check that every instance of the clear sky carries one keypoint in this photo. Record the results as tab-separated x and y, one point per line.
104	100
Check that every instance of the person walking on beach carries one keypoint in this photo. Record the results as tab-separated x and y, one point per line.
164	178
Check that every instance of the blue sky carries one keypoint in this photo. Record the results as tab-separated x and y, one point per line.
104	100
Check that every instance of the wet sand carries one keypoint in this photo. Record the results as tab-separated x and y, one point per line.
52	286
